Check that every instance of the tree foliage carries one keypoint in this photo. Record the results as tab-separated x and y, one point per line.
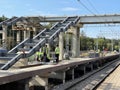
2	18
87	43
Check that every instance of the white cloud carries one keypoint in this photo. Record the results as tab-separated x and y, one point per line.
70	9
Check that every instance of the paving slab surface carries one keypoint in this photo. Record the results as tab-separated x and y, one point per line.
112	82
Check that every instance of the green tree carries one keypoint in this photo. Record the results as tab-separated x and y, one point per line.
2	18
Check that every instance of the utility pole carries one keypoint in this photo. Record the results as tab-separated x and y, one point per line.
97	44
112	45
119	45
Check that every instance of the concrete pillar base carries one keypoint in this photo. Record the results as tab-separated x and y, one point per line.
18	36
20	63
25	34
40	81
61	45
73	77
4	35
43	81
64	76
76	42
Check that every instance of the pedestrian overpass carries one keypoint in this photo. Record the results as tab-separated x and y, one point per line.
31	45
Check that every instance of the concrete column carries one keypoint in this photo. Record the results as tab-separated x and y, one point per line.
26	86
67	43
18	36
28	33
35	31
49	48
73	74
64	76
76	42
25	34
45	82
42	81
61	43
4	35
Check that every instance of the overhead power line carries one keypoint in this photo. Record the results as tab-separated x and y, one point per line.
85	6
92	6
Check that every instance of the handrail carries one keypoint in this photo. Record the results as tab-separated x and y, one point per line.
36	47
6	21
11	62
65	28
76	20
14	21
50	38
64	20
13	49
54	25
35	37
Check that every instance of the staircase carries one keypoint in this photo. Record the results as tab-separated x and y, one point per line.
10	21
30	46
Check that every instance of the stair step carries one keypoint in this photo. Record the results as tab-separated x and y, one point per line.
44	36
63	24
55	28
1	64
4	61
30	44
36	40
11	54
66	22
23	49
6	58
71	19
48	33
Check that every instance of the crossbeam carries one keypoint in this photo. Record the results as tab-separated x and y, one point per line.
91	19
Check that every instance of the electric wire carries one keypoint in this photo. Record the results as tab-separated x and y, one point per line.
112	33
92	6
85	7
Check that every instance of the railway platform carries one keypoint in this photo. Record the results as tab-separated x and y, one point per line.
64	71
112	82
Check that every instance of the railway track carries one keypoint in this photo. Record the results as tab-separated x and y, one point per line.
91	80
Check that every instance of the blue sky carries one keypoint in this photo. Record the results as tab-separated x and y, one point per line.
60	8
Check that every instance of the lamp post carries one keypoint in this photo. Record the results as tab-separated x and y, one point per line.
112	45
97	44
